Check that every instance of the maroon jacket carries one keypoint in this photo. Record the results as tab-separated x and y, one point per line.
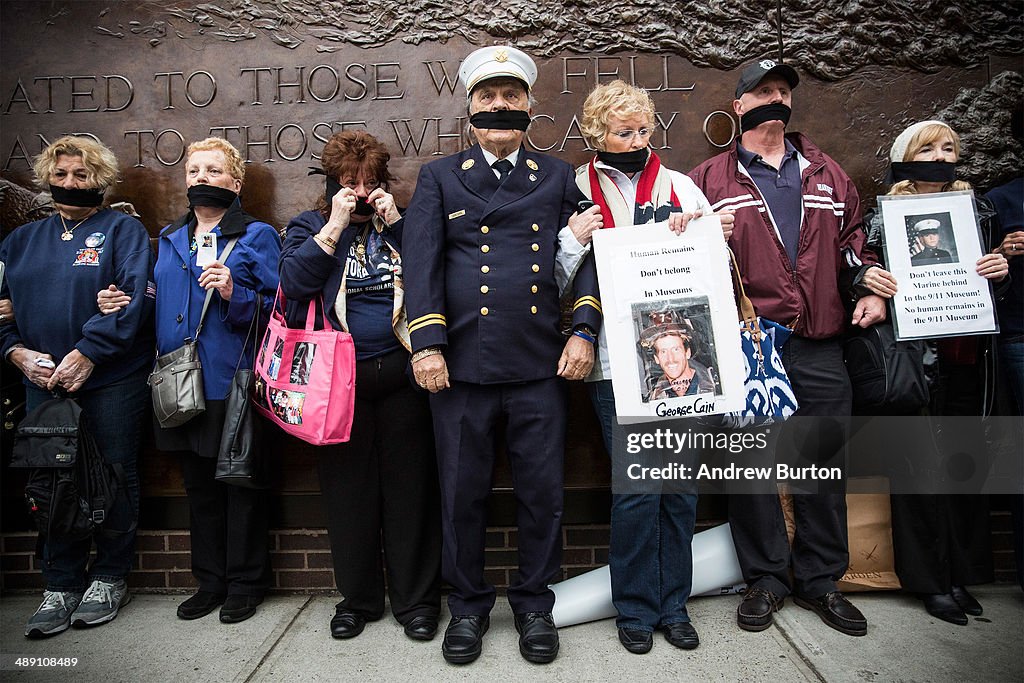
808	297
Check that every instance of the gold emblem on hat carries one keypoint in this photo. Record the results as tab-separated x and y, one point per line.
501	55
467	164
532	164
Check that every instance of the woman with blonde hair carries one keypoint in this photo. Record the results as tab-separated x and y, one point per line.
229	524
60	343
649	558
942	542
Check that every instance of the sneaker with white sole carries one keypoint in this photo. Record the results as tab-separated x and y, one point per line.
53	615
100	603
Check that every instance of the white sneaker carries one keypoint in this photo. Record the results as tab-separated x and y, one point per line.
100	603
53	615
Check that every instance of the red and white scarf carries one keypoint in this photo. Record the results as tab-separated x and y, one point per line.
654	188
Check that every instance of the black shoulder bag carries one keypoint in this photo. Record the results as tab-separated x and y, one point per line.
241	459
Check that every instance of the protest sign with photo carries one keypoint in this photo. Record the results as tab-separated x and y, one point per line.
932	243
670	321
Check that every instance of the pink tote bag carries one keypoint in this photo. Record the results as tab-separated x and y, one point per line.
306	378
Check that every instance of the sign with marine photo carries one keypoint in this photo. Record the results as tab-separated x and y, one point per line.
670	321
932	243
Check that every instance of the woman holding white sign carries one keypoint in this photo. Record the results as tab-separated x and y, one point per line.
941	541
650	558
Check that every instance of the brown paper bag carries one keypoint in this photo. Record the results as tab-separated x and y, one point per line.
869	525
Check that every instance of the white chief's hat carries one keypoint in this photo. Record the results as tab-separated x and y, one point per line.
927	225
497	61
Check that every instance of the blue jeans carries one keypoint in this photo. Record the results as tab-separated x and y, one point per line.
650	556
114	413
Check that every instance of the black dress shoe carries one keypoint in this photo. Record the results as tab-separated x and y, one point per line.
966	601
422	627
636	641
239	608
836	611
756	610
682	634
538	637
199	605
463	639
943	606
346	623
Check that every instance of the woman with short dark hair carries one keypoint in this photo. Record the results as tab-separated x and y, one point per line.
380	488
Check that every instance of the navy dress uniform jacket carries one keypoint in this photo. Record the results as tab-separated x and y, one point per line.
479	266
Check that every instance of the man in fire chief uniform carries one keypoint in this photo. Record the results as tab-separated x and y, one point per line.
481	235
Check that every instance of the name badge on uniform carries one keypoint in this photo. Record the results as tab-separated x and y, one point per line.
457	214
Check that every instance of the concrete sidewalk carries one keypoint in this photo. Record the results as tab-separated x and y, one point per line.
288	640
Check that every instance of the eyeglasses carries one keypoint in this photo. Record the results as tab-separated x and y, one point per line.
628	134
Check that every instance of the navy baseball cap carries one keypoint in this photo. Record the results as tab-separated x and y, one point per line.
756	72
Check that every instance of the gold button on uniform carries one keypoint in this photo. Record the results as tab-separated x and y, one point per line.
536	268
535	227
533	309
484	289
534	289
485	248
484	229
485	269
535	247
483	311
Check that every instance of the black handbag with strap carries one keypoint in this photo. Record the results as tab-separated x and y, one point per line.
887	375
176	383
241	459
71	488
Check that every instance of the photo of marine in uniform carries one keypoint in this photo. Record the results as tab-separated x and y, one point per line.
676	355
930	240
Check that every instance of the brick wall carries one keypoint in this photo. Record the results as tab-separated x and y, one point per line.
301	558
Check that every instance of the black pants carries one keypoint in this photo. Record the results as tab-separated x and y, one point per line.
229	531
380	491
941	541
819	554
465	419
945	540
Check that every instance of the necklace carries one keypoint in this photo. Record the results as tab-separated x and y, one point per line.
68	233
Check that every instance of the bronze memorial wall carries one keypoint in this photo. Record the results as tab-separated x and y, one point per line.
277	77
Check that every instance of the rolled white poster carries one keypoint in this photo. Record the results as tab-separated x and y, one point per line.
588	597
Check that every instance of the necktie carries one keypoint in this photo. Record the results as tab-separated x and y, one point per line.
503	167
